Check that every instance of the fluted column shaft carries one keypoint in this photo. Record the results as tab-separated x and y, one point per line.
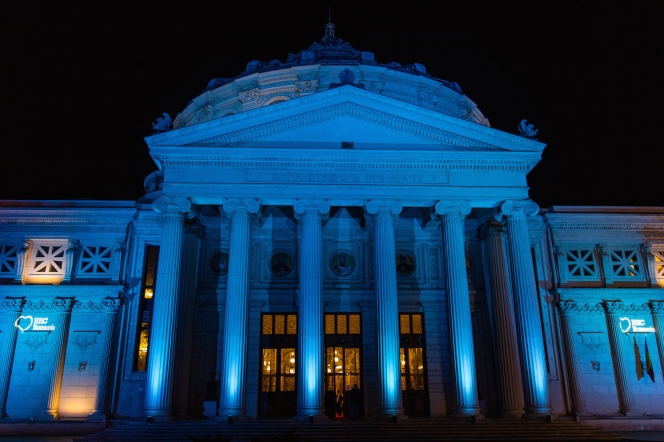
657	309
383	213
110	308
59	312
526	307
458	309
187	299
10	310
165	317
234	359
506	348
622	355
310	362
572	361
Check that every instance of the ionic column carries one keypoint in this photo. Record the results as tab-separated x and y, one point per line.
383	214
622	356
10	310
59	312
110	308
566	308
458	308
506	348
657	310
189	266
234	358
526	307
165	319
310	362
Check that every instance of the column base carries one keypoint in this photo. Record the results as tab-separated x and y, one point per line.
511	413
48	415
630	413
538	413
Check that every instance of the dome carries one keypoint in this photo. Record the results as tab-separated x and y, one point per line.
325	65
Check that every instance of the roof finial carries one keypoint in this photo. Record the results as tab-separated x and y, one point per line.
329	27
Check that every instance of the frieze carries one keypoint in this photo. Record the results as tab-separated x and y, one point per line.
656	307
571	307
57	306
393	103
11	305
348	164
338	111
426	179
617	307
105	305
561	229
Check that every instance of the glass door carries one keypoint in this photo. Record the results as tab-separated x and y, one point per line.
342	364
278	363
412	361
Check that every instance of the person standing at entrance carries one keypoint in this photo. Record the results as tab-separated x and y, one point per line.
340	403
355	397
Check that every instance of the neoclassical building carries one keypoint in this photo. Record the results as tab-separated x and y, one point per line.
325	222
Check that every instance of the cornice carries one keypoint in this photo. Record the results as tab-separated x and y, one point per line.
56	305
63	225
44	291
11	305
617	307
395	104
406	165
571	307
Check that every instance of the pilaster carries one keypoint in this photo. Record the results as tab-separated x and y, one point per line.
567	309
526	307
310	362
506	348
110	309
657	310
22	260
10	309
620	356
165	322
383	214
234	352
61	310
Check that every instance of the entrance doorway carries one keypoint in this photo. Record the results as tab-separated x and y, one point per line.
278	361
343	366
413	369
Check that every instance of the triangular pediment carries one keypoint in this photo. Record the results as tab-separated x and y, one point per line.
344	117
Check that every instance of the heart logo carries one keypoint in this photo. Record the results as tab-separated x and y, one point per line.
18	325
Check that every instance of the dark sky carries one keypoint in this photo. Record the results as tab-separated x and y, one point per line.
80	82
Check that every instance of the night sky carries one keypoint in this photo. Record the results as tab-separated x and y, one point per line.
80	83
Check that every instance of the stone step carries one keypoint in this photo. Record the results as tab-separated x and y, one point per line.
365	430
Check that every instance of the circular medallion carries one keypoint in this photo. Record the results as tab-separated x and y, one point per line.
281	264
405	263
342	263
219	263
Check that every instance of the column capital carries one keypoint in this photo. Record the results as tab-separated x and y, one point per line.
311	207
514	209
242	206
656	307
446	209
382	208
11	305
173	205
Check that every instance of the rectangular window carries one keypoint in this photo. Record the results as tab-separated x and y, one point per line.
8	256
342	324
146	307
279	324
410	324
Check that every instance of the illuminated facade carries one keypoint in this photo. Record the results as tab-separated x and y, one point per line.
320	223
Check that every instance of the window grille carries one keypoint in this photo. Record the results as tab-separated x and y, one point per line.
95	261
8	256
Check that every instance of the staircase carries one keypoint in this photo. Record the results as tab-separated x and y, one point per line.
359	430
